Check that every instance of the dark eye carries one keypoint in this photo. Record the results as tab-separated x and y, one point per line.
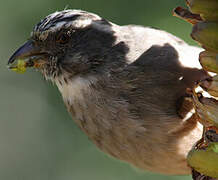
63	38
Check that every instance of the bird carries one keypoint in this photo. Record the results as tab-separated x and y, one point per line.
126	87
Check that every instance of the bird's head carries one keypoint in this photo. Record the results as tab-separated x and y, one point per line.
70	42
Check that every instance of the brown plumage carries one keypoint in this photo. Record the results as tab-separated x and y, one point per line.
125	86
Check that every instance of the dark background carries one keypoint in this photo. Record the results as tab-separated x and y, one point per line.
38	139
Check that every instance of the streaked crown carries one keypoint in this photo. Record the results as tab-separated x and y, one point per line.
66	18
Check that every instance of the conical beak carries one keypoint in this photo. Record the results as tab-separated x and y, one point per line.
25	51
28	55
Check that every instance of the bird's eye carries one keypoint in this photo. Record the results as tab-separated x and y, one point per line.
63	38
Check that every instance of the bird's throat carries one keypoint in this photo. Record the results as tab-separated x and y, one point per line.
73	89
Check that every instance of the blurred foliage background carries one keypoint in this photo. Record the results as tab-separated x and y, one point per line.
38	139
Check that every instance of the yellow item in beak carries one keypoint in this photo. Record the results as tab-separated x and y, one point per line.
20	67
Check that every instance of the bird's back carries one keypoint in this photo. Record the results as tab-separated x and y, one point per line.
139	39
132	114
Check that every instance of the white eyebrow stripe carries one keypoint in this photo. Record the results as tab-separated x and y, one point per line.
76	24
